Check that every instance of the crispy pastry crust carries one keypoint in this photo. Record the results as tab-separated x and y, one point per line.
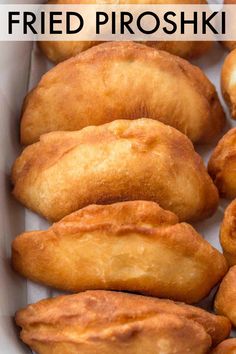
58	51
162	334
105	322
228	346
122	160
123	80
99	248
225	302
222	165
228	82
228	233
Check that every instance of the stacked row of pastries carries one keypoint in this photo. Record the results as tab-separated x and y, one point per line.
110	160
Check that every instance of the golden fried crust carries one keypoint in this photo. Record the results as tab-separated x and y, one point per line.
162	334
187	50
225	302
222	165
123	80
115	321
58	51
228	346
228	233
166	259
122	160
228	82
139	212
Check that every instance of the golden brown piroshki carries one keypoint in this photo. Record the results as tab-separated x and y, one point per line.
222	165
123	81
228	233
225	302
122	160
102	322
228	82
132	246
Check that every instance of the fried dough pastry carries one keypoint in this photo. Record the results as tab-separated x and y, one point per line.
228	82
123	80
105	322
58	51
122	160
163	334
222	165
99	247
228	346
228	233
225	302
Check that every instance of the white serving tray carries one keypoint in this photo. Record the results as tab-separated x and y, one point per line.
21	66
